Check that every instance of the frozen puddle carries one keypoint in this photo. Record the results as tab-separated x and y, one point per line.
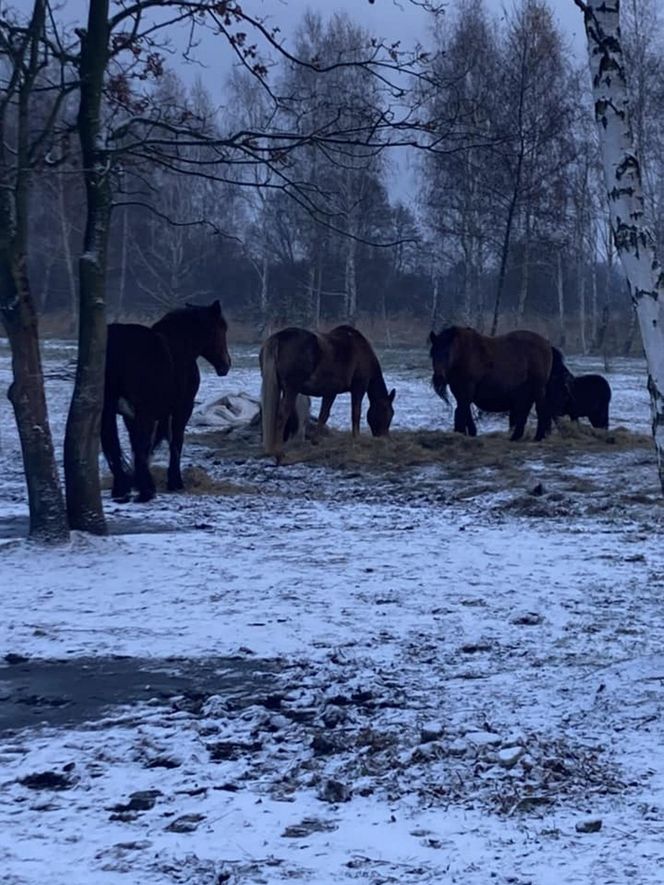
66	693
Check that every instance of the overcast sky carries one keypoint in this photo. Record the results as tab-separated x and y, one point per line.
389	19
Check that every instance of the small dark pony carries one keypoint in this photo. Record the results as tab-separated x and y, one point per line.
296	361
505	373
588	397
151	380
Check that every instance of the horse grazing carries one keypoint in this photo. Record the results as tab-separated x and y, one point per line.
506	373
296	361
588	397
151	380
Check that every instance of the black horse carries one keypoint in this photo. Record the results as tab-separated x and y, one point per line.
588	397
151	380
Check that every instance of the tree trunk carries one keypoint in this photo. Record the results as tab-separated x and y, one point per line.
66	252
351	278
633	239
84	506
593	301
478	274
434	301
318	287
45	287
124	241
265	283
466	310
631	332
523	283
562	337
503	261
581	289
48	522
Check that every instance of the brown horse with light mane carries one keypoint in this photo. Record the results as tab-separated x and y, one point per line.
296	361
505	373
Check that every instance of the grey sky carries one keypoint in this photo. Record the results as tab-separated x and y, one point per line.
389	19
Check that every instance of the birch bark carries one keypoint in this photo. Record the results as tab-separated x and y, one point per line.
634	241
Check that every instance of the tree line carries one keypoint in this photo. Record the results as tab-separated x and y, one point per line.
504	224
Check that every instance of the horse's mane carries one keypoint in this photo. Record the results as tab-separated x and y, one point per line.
184	317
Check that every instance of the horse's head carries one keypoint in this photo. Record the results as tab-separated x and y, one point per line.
441	345
213	345
380	414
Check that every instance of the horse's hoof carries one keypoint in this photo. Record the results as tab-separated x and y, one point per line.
121	499
175	486
144	497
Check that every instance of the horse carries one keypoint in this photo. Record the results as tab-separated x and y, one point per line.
296	361
151	380
588	397
505	373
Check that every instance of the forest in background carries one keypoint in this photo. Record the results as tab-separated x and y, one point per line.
509	209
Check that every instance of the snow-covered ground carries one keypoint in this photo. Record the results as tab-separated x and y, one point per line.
429	659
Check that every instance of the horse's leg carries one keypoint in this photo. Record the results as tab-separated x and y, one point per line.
110	443
174	477
463	419
325	407
471	427
520	411
356	396
543	415
141	431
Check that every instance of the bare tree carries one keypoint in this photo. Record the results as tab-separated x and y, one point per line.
22	146
534	114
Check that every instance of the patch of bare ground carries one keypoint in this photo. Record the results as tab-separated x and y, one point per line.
576	471
197	481
338	449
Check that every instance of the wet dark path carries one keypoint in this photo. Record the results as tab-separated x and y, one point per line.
70	692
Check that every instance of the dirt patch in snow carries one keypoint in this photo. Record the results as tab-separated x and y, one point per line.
461	453
197	481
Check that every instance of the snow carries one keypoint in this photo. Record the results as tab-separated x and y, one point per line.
438	677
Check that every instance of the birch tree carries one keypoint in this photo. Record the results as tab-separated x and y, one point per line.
634	241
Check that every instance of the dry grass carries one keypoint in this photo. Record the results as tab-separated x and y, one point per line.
462	453
197	481
576	470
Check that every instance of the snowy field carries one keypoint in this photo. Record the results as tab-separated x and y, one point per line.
422	660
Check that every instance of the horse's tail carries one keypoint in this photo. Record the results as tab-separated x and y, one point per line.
110	440
270	394
440	386
162	432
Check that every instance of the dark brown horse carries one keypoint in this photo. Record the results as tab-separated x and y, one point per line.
295	361
151	380
507	373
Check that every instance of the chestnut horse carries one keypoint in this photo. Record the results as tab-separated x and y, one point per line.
506	373
151	380
296	361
